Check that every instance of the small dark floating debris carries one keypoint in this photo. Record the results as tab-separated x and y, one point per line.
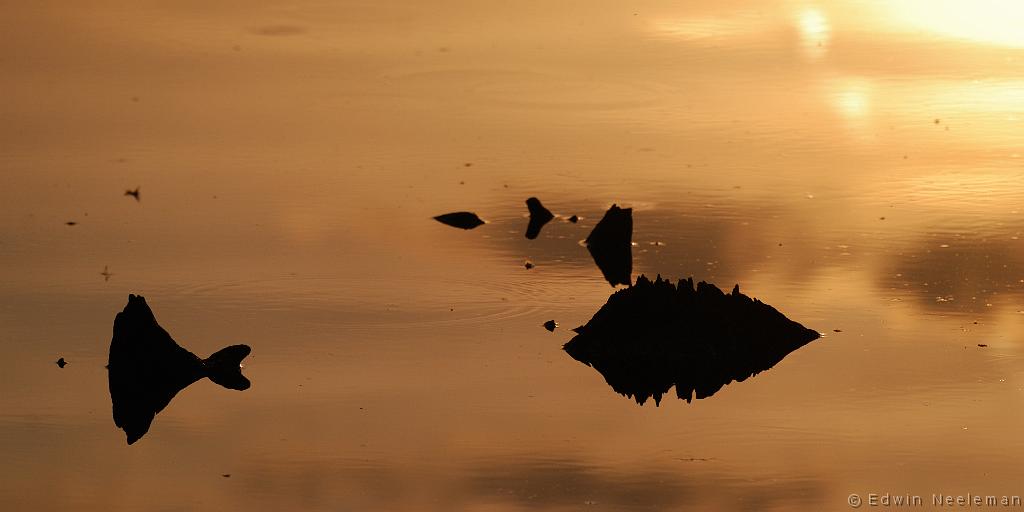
539	216
62	363
655	335
133	193
528	265
146	368
574	219
464	220
226	475
71	223
550	325
106	274
611	245
837	330
982	345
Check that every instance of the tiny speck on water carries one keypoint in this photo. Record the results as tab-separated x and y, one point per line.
982	345
226	475
837	330
528	265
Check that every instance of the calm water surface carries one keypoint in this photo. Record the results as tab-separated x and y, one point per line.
858	165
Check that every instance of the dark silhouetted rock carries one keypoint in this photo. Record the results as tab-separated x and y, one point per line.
147	368
528	265
539	216
464	220
574	219
550	325
62	363
655	335
611	245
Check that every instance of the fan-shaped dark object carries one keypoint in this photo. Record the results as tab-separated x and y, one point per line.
146	368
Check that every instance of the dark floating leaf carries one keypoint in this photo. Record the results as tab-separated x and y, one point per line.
62	363
539	216
654	335
611	245
464	220
550	325
147	368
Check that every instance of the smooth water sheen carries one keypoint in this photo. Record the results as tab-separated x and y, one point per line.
858	165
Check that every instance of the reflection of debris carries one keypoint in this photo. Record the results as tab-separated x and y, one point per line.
539	216
528	265
62	363
464	220
146	368
611	246
550	325
655	335
133	193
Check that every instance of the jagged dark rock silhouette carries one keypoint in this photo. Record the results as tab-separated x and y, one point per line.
62	363
611	245
464	220
654	335
550	325
146	368
539	216
574	219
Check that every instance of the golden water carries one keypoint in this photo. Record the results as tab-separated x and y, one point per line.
855	164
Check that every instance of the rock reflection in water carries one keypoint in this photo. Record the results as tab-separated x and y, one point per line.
611	245
539	216
147	368
655	335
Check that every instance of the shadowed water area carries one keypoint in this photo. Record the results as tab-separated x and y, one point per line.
267	174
